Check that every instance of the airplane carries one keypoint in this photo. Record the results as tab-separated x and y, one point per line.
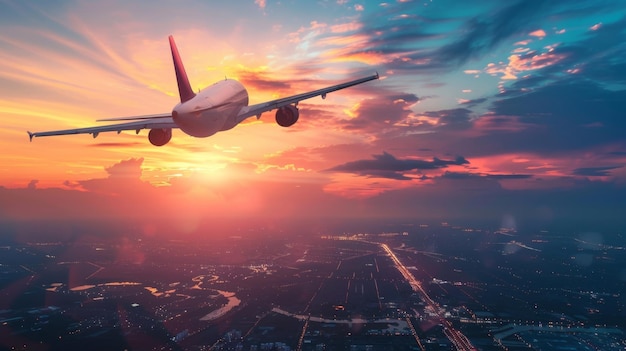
216	108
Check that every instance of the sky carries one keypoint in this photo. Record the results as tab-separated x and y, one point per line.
508	111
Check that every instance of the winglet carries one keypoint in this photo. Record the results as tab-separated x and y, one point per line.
184	88
30	135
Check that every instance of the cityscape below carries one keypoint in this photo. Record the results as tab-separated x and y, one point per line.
411	286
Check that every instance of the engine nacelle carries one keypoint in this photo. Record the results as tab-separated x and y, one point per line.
160	136
286	116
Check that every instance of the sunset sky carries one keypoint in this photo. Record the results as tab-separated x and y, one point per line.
484	109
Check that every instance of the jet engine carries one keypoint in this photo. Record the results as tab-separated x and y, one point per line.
160	136
286	116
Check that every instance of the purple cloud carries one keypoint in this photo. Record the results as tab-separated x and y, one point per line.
386	165
595	171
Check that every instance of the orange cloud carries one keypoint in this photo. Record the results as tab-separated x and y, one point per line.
539	33
523	63
358	187
368	57
261	3
489	123
346	27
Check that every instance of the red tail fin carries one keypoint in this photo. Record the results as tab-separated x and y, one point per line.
184	88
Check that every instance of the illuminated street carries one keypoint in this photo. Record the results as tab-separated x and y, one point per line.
459	340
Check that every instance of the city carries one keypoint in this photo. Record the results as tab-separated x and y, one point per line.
415	287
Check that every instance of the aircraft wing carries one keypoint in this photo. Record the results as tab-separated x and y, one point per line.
165	120
258	109
138	123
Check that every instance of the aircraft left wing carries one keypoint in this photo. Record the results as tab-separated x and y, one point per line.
258	109
138	123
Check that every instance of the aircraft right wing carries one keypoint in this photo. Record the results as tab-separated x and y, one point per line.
258	109
138	123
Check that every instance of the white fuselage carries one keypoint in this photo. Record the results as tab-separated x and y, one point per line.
213	109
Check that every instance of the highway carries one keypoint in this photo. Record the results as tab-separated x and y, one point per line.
457	338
